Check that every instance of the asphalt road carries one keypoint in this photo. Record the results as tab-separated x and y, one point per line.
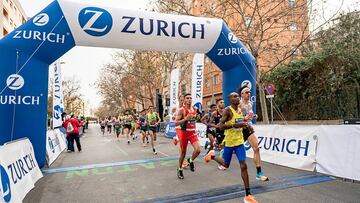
110	171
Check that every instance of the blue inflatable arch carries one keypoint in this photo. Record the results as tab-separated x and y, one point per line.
27	52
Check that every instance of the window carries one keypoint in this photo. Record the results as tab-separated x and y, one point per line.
207	83
291	3
5	32
248	21
5	13
217	79
293	27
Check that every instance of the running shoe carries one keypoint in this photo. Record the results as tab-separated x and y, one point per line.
180	173
128	141
154	151
221	168
207	157
260	176
192	165
206	145
144	145
250	199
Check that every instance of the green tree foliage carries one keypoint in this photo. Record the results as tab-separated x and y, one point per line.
325	83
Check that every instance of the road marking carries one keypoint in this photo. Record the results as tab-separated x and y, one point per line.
237	191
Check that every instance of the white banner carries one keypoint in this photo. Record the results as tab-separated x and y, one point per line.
197	80
338	151
55	144
201	133
291	146
174	88
58	98
102	26
19	170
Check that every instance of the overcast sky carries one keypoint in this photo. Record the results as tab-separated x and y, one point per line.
84	63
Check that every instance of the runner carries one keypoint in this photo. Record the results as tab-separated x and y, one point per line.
152	117
109	124
175	112
102	126
144	128
133	126
127	125
210	130
186	119
117	126
233	122
215	118
247	110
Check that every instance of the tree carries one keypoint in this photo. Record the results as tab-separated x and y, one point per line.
325	83
73	102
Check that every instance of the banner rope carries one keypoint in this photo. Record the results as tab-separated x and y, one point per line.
18	71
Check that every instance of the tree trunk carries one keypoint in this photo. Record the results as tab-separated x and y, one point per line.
263	105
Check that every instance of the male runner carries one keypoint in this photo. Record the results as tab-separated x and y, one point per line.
186	119
210	130
233	122
144	128
247	111
152	118
127	125
117	126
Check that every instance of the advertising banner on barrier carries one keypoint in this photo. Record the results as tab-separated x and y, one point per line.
197	81
55	144
337	152
58	98
19	170
291	146
201	133
174	88
170	130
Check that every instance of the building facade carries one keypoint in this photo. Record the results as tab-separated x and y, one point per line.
272	30
11	17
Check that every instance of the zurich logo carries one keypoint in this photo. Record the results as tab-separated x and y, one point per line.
198	105
51	145
5	190
15	82
41	20
246	83
232	38
57	112
95	21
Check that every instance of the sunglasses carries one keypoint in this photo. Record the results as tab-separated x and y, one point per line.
247	92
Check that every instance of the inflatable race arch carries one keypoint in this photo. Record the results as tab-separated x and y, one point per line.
27	52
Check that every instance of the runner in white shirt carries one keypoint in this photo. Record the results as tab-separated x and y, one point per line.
247	111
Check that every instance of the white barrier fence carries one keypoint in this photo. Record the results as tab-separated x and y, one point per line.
338	151
328	149
19	170
291	146
55	144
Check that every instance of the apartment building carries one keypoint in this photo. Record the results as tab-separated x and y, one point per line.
274	29
11	17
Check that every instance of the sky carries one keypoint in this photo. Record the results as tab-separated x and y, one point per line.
84	63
